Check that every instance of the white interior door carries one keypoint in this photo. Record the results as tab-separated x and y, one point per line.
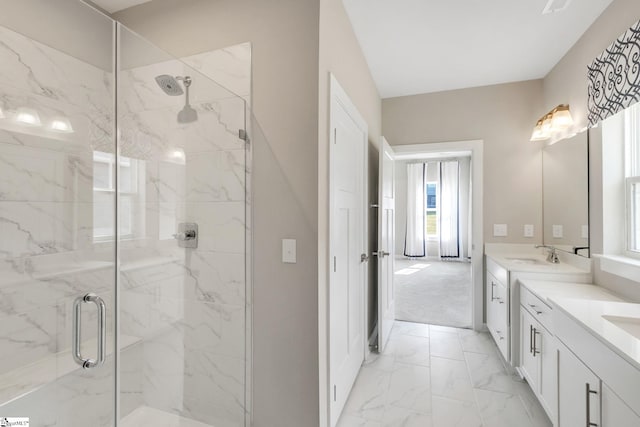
347	235
386	243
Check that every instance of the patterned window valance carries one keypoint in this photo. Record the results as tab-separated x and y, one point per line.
614	77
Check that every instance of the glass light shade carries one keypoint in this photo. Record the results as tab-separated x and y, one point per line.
538	133
61	124
562	117
28	117
547	124
1	114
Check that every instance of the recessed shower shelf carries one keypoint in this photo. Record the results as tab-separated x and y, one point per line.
27	379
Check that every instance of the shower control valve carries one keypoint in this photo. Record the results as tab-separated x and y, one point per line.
187	235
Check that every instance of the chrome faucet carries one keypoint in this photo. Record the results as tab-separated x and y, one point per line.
552	255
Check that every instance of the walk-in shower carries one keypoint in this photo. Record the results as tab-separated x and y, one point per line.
106	317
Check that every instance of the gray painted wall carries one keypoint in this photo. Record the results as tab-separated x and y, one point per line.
501	115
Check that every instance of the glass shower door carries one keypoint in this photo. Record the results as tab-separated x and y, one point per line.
57	214
181	202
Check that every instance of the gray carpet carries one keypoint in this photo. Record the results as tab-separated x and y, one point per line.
434	292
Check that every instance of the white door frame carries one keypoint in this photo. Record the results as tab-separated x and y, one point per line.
337	93
415	151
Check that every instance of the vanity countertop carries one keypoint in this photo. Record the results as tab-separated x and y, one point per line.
547	290
614	323
532	263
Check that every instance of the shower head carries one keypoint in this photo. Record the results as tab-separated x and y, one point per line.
187	114
169	85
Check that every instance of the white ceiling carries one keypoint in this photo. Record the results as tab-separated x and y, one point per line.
422	46
113	6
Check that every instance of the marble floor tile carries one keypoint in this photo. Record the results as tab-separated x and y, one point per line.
410	387
454	413
444	344
534	409
401	417
476	342
450	378
438	328
501	409
352	421
369	394
380	362
408	328
488	373
408	349
410	384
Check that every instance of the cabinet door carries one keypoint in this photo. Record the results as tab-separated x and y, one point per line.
491	302
615	413
529	361
548	367
578	391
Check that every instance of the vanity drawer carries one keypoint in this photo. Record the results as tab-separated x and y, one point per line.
499	272
538	308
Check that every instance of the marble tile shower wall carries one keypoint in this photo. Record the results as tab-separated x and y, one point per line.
182	310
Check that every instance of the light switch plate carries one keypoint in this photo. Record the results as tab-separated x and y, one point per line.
289	251
585	231
528	230
500	230
557	231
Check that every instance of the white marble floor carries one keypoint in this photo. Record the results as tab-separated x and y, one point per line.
436	376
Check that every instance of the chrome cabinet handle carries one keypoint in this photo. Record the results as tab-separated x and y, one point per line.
530	338
588	405
534	309
493	285
535	345
77	331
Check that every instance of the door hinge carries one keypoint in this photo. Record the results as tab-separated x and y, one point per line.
243	135
334	392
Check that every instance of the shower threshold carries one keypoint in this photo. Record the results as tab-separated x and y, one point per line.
145	416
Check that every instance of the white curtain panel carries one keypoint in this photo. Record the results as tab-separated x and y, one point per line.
414	244
449	209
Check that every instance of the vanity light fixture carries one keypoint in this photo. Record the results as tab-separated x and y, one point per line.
28	117
556	120
61	125
538	133
561	117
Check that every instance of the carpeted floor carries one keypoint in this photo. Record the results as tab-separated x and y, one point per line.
434	292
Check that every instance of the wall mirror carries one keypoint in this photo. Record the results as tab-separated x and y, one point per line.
565	172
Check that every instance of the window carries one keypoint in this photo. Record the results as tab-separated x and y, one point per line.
632	177
432	209
104	193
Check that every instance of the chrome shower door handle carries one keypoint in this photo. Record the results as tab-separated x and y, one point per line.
76	340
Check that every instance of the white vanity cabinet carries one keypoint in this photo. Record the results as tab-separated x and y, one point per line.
497	303
578	391
598	366
538	362
502	292
582	393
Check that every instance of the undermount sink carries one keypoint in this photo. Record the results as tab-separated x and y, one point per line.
528	261
630	325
